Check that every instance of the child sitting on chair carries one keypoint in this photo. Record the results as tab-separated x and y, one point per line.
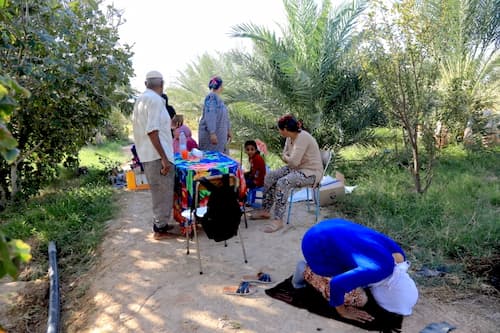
178	127
255	177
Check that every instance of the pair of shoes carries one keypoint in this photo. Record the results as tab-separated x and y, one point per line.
273	226
160	235
261	277
244	289
259	215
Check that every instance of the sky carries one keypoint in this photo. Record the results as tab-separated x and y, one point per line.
167	35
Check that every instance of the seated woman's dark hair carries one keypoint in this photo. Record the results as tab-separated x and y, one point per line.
289	123
253	144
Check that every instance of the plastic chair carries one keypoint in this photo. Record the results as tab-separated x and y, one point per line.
326	157
253	195
197	212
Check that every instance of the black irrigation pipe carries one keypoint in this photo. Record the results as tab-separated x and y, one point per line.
54	310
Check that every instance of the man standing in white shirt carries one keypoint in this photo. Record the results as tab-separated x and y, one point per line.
153	141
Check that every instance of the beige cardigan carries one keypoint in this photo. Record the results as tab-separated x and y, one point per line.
303	155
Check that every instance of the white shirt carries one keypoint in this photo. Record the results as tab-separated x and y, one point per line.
150	114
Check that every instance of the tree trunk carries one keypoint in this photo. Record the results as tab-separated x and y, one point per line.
99	138
14	169
3	197
415	168
13	179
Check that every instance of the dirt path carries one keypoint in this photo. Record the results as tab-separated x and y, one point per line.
142	285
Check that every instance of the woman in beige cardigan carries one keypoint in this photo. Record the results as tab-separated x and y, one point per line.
304	168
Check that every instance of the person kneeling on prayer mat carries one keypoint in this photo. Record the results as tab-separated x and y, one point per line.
344	259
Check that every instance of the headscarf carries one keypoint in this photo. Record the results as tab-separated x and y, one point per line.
397	293
215	82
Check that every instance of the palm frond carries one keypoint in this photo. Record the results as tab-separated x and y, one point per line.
339	33
304	71
254	32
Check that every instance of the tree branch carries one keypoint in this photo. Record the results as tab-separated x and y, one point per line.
22	156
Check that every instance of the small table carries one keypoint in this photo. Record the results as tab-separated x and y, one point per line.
187	171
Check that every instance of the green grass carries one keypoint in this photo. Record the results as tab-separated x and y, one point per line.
92	156
71	212
71	217
454	222
390	139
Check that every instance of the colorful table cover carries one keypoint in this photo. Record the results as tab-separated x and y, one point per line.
211	164
187	171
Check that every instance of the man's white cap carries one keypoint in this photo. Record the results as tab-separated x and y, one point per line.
154	75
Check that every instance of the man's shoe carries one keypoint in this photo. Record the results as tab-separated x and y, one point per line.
162	229
160	235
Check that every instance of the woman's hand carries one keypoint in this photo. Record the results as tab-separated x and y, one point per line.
213	139
350	312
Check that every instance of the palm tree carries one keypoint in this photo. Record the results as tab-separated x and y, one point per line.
191	84
191	87
309	71
466	48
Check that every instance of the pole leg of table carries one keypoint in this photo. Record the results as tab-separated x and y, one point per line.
186	228
242	246
197	245
245	215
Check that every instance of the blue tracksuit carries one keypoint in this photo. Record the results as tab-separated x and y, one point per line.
351	254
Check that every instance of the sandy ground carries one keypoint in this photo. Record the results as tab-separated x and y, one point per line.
143	285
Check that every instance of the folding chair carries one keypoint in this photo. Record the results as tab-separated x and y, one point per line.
197	212
326	157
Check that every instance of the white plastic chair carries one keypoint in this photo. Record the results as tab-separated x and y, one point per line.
326	157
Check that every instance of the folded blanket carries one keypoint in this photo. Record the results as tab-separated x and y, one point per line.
310	299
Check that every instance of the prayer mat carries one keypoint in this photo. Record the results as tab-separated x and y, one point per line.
310	299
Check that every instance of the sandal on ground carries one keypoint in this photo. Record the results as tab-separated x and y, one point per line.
244	289
259	215
259	278
273	226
